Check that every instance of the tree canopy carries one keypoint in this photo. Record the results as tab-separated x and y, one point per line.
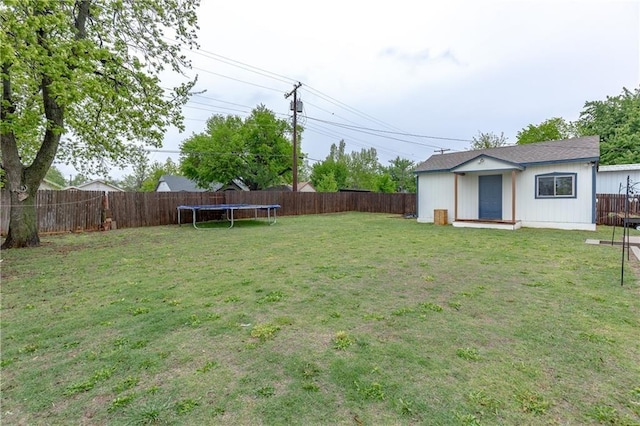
549	130
81	84
255	150
488	140
617	121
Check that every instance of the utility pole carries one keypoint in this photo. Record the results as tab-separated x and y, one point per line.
441	150
295	132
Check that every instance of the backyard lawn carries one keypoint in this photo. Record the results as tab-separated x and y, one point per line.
354	319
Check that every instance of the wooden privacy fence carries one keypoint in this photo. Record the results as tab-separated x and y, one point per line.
68	211
60	211
610	208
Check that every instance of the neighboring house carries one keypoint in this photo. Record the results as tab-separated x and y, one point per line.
169	183
302	187
542	185
613	179
95	185
47	185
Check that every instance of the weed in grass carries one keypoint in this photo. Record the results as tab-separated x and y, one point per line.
121	401
427	306
310	387
29	349
405	407
140	310
341	340
193	321
265	331
207	367
335	314
484	401
266	391
375	317
402	311
272	296
79	387
139	344
532	402
173	302
309	370
604	414
186	405
374	391
470	354
231	299
126	384
468	420
5	362
120	342
149	413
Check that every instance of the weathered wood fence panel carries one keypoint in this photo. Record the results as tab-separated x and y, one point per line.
610	208
60	211
69	211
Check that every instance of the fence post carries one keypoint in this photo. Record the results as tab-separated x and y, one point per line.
105	213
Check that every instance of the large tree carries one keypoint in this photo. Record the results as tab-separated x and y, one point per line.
617	121
331	174
255	150
549	130
488	140
81	84
401	172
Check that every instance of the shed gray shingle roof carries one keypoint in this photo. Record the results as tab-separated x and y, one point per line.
577	149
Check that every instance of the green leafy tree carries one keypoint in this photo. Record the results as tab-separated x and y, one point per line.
401	172
363	168
549	130
327	183
617	121
335	165
55	175
81	82
79	179
488	140
256	151
156	171
384	183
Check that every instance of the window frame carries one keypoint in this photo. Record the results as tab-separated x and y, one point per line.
556	176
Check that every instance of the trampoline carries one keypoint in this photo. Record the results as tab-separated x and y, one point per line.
229	210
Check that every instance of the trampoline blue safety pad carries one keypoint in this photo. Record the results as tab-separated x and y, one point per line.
229	210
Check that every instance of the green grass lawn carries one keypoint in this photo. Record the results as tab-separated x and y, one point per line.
355	319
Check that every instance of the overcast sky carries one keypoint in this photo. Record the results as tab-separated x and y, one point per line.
440	69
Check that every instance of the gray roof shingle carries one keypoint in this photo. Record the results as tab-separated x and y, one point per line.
568	150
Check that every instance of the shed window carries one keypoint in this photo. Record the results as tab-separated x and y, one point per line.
556	185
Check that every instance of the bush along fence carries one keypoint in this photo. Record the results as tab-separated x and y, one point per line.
72	211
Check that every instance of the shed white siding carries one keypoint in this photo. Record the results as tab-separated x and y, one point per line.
613	179
563	213
435	193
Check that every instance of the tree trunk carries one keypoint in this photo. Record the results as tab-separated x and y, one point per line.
23	220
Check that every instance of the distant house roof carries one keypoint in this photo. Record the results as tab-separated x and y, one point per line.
302	187
95	185
184	184
619	168
46	184
178	184
567	150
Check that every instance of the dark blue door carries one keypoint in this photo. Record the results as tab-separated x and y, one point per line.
490	196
